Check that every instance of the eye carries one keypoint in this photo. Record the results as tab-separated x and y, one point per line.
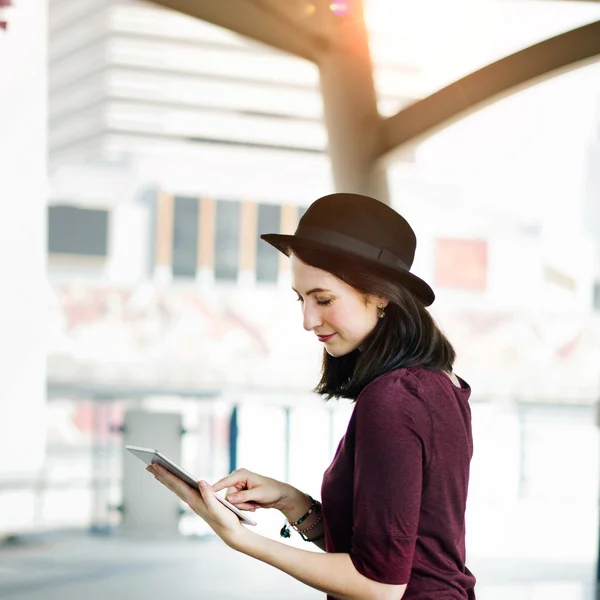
299	299
324	302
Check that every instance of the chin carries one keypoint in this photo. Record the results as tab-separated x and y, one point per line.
339	352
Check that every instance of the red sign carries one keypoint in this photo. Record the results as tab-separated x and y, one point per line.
461	263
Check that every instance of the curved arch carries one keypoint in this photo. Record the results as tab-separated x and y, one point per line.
277	24
473	92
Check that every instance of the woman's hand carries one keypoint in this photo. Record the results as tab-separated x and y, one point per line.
249	491
221	520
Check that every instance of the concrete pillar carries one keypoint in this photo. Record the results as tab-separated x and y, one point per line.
148	507
163	270
129	225
24	309
288	224
350	106
205	271
248	243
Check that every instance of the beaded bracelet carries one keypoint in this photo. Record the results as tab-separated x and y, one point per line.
285	531
303	532
319	519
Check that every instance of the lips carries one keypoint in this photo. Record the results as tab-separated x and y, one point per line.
325	338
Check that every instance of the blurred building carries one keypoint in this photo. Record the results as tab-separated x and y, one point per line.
184	142
177	148
173	144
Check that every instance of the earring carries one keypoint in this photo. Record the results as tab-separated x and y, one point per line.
381	311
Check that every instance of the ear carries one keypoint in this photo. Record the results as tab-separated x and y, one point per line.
378	301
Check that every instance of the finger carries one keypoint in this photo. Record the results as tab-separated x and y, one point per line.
247	506
243	497
176	485
229	481
208	495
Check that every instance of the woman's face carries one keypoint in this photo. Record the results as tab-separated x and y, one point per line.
339	316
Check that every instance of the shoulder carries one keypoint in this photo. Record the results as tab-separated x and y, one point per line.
403	381
398	393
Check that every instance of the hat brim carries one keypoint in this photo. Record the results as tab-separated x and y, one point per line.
285	243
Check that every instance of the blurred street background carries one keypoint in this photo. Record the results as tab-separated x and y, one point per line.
143	150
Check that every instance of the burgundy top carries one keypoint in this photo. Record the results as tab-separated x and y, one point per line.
394	496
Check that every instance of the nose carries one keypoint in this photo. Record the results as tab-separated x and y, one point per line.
311	316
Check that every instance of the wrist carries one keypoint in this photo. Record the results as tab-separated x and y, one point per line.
307	524
240	540
293	503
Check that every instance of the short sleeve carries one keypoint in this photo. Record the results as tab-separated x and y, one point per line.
392	430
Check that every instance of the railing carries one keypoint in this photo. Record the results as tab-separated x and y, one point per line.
530	460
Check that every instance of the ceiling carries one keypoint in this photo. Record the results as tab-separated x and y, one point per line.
300	27
310	28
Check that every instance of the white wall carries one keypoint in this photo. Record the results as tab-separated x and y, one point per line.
24	298
128	243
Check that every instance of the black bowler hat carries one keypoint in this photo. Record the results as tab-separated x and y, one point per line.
358	226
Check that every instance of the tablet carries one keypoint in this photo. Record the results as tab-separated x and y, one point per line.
151	456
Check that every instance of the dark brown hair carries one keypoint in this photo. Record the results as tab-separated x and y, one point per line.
406	337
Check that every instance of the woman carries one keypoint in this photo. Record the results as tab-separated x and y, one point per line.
393	499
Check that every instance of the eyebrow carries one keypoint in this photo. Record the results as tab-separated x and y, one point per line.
313	291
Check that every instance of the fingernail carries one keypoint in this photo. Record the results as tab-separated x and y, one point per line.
232	498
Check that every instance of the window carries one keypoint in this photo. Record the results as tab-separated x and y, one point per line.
185	236
267	258
597	296
77	231
227	240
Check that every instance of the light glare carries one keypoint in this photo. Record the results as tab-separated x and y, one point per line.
339	7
